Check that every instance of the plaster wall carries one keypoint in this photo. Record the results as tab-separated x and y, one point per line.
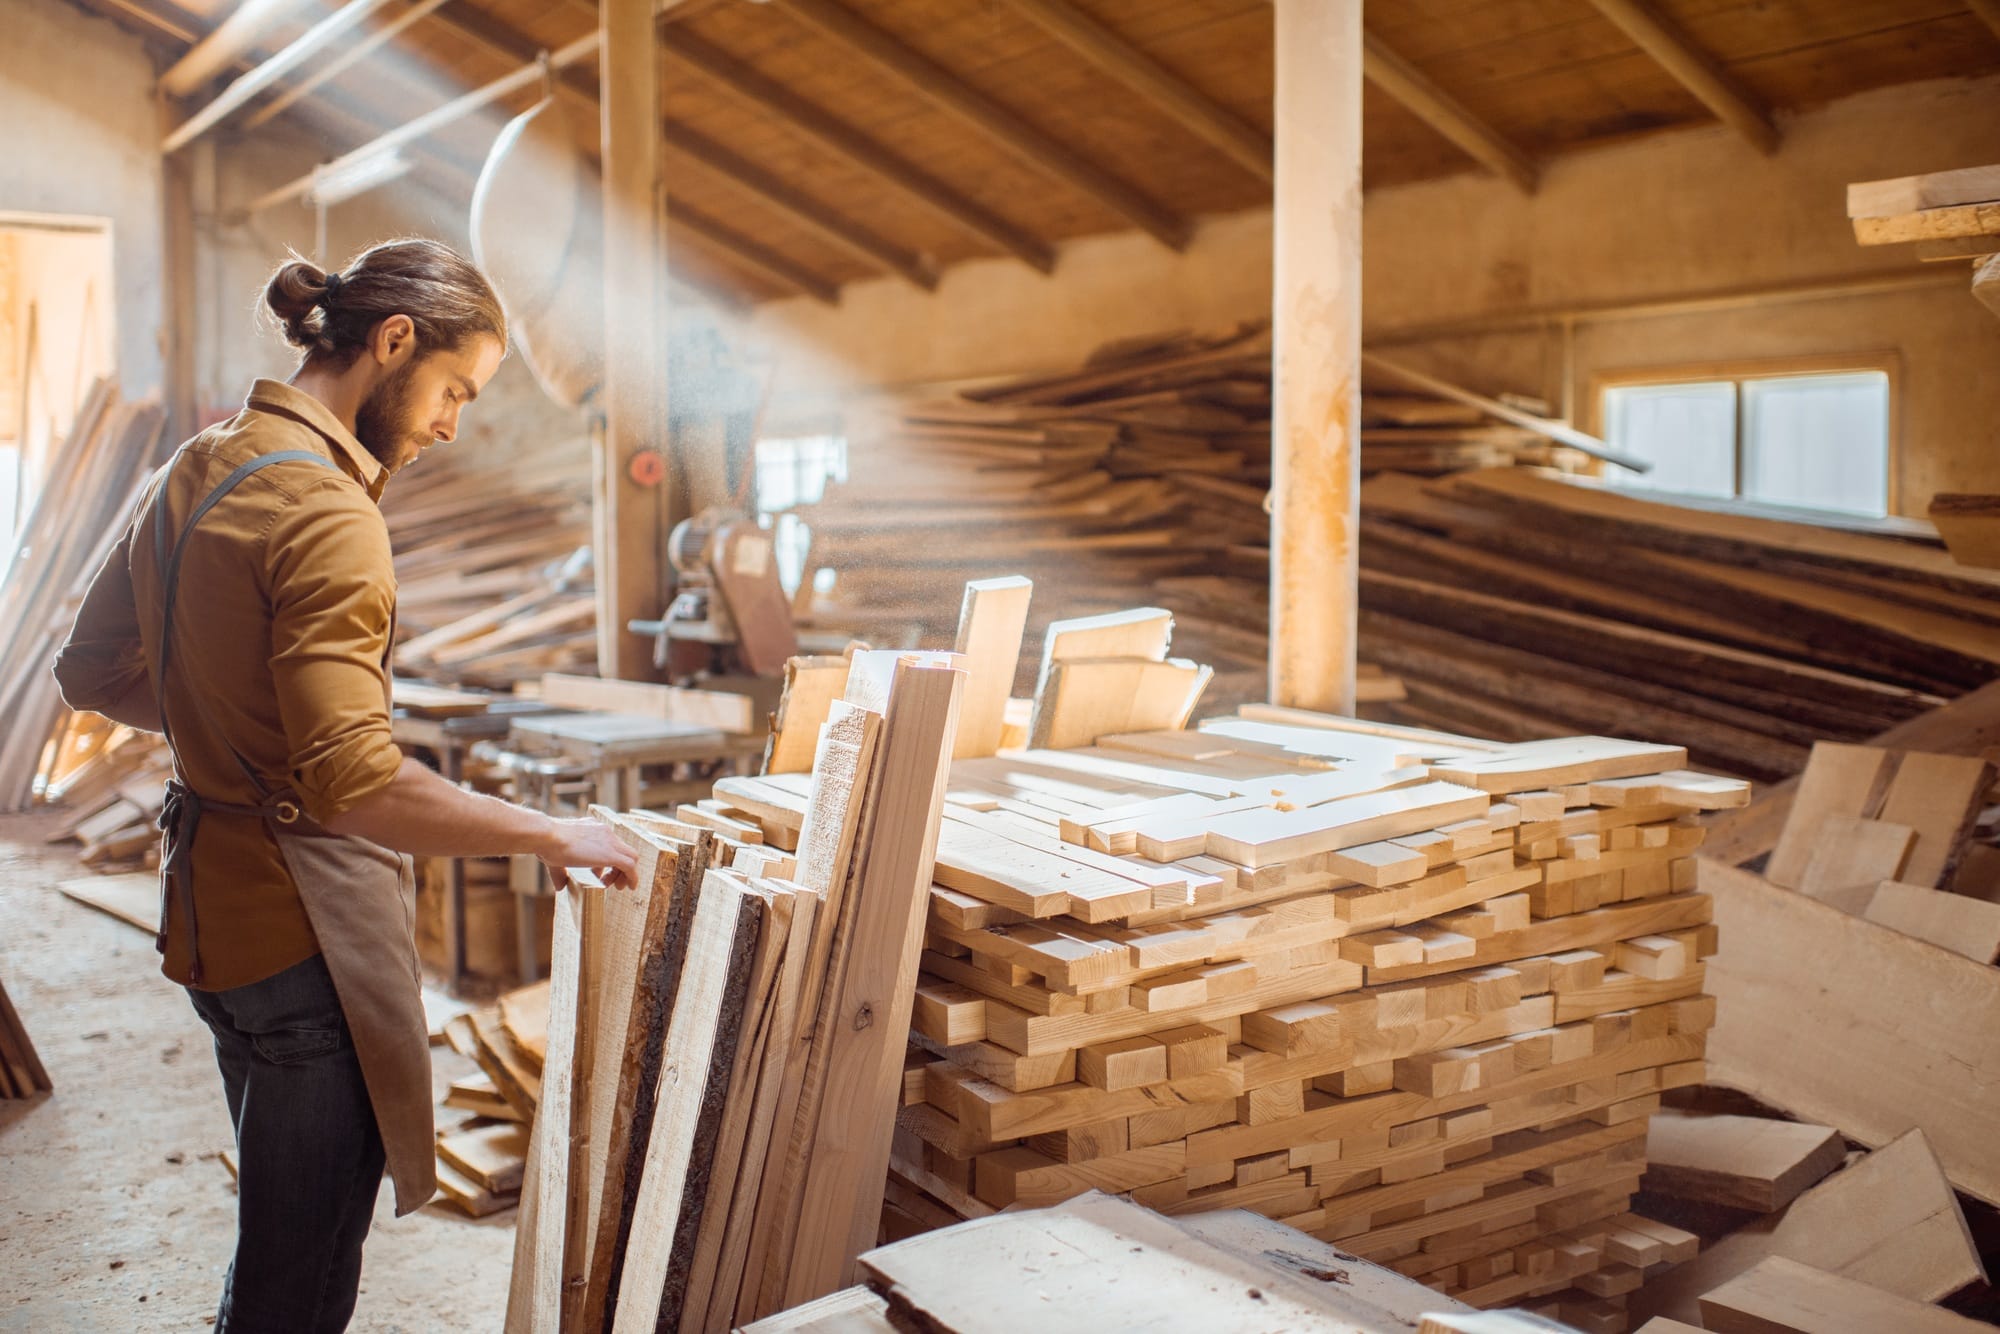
1662	216
78	90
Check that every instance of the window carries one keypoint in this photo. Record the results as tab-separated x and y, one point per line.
792	472
1809	441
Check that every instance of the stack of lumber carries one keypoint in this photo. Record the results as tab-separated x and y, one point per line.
1147	468
1518	605
493	565
21	1072
726	1043
1409	992
1096	1263
1945	215
87	498
482	1157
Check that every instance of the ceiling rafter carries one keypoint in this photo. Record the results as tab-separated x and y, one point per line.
856	148
1245	145
1416	92
1693	68
1987	12
245	87
224	44
947	91
330	69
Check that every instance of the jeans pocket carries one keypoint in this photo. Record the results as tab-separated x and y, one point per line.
285	1046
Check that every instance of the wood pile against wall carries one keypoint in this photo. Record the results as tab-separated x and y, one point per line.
1146	469
85	504
1518	605
493	564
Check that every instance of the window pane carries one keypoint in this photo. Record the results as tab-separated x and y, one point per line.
1818	441
1686	431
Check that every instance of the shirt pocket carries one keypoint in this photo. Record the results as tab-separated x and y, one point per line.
288	1046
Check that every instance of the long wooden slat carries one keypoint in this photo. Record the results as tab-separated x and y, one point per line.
990	625
871	1013
241	90
944	90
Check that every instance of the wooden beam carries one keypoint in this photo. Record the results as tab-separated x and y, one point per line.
1444	113
178	298
301	49
1694	68
630	522
450	113
225	44
759	259
857	149
918	270
1245	145
1316	354
944	90
340	64
1988	12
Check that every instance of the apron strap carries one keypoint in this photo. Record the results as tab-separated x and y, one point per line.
183	809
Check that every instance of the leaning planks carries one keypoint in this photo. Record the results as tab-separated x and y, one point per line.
22	1074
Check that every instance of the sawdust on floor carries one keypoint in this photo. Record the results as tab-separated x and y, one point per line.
116	1212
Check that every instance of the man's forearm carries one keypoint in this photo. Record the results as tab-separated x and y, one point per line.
426	816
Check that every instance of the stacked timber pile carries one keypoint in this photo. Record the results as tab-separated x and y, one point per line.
1145	469
1100	1263
1517	605
493	564
86	501
1409	992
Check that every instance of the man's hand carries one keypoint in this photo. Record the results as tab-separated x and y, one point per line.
589	843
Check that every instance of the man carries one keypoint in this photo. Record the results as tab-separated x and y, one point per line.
247	614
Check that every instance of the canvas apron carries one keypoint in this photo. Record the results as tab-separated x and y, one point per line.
359	897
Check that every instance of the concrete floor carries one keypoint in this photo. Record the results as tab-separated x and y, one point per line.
116	1212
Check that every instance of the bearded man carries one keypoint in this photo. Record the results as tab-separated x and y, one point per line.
247	614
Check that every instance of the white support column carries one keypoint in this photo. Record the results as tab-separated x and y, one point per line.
1316	354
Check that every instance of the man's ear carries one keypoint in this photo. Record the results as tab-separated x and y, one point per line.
393	339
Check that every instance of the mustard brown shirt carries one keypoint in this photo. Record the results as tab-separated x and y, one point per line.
281	632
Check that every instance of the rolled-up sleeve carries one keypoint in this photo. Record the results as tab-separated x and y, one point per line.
333	598
103	661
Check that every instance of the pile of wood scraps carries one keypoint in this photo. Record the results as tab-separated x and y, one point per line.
85	504
1097	1263
1147	468
21	1072
482	1150
726	1043
493	564
1518	605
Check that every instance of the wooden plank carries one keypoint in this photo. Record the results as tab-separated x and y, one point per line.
1837	778
1534	765
1780	1296
646	699
870	1013
1741	1161
133	898
849	1311
1963	925
1087	698
1939	796
812	684
1851	856
1847	1057
695	1063
990	625
1930	225
1269	837
1913	194
545	1237
493	1156
625	1075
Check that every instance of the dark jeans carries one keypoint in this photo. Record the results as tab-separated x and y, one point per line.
309	1156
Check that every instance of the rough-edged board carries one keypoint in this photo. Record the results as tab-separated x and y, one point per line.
1955	922
1838	780
1851	855
1839	1020
1780	1296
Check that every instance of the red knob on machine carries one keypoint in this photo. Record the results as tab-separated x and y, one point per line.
646	467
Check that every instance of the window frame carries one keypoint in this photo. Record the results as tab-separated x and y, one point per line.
1887	362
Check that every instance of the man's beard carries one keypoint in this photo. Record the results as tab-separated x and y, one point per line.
382	423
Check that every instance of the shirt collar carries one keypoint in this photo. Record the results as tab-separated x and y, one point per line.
275	395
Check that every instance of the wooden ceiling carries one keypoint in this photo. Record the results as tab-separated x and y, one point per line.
811	143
